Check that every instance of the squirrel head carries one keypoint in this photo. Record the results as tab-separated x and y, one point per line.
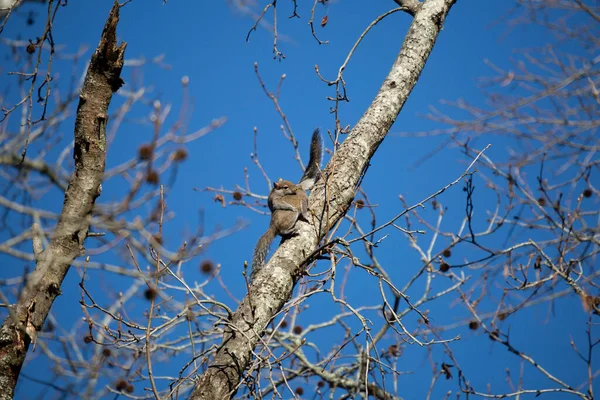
284	187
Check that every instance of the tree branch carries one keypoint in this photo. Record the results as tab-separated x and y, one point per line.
274	284
412	6
16	161
43	285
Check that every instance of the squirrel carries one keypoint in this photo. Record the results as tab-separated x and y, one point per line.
288	203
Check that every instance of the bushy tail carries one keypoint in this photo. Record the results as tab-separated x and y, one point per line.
261	250
311	173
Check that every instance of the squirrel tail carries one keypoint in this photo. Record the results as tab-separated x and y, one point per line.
311	173
261	250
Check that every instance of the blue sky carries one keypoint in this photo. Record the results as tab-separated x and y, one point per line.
205	41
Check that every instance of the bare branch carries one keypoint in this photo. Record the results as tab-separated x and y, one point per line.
43	285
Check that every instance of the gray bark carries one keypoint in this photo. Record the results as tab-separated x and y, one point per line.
274	284
43	284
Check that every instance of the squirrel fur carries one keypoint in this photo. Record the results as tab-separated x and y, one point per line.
288	203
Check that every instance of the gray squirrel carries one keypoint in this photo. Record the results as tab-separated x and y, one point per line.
288	203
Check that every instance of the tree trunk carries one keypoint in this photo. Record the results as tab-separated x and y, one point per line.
27	317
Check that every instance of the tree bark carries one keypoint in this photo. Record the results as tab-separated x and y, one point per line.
274	284
27	317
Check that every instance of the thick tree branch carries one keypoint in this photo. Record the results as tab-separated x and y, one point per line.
43	285
411	5
274	284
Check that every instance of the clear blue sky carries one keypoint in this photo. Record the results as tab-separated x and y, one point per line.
205	40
